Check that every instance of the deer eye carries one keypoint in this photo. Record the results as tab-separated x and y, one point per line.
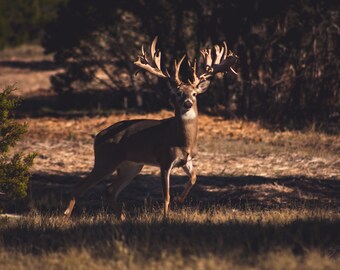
194	94
179	94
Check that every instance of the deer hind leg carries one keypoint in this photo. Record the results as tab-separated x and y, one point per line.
97	174
189	170
126	172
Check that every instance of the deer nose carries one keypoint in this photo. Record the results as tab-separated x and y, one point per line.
187	104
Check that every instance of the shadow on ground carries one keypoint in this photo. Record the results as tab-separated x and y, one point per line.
104	237
41	65
50	192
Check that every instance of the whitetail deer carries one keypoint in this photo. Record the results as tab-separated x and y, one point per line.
128	145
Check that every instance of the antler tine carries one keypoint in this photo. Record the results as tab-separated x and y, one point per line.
225	50
233	71
153	47
231	55
219	54
223	62
194	71
207	56
194	74
143	52
154	66
177	68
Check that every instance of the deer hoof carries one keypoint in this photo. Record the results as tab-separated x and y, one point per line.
67	214
178	199
118	211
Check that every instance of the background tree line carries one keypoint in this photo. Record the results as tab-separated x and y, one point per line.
23	21
289	66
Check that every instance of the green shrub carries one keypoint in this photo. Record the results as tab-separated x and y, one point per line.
14	170
23	21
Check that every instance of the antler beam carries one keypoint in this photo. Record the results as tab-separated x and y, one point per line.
153	66
223	62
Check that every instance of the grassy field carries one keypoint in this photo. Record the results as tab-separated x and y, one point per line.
264	199
214	237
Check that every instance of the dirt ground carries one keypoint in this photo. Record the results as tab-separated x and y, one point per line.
237	161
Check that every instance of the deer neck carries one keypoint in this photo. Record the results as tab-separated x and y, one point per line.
186	126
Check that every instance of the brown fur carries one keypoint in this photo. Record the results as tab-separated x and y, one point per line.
128	145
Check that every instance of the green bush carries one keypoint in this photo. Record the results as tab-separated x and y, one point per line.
23	21
14	171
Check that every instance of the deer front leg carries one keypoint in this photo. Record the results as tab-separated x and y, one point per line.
189	170
165	174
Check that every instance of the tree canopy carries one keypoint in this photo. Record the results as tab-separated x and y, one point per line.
288	51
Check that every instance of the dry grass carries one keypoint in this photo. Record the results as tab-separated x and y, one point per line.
214	238
226	147
82	259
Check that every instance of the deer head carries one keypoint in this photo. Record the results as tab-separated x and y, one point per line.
220	61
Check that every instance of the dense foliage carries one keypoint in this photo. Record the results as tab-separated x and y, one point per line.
289	69
14	171
23	21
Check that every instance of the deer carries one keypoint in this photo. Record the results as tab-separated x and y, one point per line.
128	145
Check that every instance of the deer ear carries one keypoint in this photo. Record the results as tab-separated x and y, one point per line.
203	86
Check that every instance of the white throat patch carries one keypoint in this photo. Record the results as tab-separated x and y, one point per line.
190	114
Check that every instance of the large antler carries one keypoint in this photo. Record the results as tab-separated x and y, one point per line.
223	62
154	65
